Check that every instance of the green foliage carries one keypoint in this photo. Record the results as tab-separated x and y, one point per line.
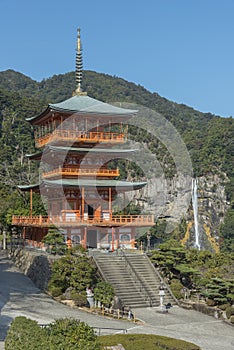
55	240
79	299
19	336
72	271
227	232
104	293
71	334
229	311
146	341
209	138
64	333
176	288
209	273
55	291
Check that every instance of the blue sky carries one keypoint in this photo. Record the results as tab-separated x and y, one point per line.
181	49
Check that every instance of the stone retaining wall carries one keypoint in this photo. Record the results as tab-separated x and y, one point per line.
35	265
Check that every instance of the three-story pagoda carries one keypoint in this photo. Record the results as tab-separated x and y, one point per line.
77	138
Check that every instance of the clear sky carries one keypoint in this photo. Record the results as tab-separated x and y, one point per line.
181	49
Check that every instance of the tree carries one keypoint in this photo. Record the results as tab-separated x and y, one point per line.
72	271
104	293
227	232
55	240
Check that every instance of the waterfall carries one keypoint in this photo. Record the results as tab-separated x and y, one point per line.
195	213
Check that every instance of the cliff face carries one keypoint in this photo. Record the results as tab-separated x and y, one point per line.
172	200
212	205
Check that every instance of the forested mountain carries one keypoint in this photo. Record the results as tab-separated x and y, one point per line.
209	138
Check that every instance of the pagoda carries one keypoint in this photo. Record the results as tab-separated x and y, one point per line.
77	138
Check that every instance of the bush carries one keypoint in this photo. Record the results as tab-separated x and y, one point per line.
19	336
176	288
104	293
65	333
55	291
78	298
210	302
224	306
229	311
71	334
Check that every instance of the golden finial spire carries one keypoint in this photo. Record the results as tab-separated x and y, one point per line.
79	66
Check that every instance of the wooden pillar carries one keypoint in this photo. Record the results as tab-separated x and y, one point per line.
112	239
82	203
31	202
85	238
110	200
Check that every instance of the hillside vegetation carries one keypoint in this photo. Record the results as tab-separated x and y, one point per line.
209	138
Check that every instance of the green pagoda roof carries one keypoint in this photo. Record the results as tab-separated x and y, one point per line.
94	150
124	185
86	105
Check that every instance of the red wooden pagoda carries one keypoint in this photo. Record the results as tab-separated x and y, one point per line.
77	139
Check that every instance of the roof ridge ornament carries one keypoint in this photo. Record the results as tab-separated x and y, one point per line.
79	66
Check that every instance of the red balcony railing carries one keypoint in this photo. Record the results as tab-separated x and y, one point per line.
81	171
71	218
81	136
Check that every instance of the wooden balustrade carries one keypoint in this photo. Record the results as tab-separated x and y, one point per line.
81	171
115	220
81	136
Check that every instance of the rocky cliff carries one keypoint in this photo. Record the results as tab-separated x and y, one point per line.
172	201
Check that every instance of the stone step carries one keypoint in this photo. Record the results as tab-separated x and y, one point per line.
117	272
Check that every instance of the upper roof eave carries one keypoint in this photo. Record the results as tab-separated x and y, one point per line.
85	105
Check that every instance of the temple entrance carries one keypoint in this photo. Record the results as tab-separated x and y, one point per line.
92	239
90	210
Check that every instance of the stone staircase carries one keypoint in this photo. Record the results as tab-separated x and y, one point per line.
134	278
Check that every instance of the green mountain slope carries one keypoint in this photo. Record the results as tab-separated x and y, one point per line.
209	138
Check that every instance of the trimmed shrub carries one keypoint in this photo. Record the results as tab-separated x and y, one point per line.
25	334
64	333
55	291
210	302
224	306
71	334
229	311
146	341
176	288
78	298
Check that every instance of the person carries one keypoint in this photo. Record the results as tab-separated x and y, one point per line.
90	295
130	314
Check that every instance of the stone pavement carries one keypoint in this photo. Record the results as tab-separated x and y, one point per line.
19	296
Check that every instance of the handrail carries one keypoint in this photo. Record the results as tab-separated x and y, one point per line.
82	171
99	268
96	136
137	279
111	220
161	279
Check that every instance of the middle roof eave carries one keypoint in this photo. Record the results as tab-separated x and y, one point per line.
93	183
